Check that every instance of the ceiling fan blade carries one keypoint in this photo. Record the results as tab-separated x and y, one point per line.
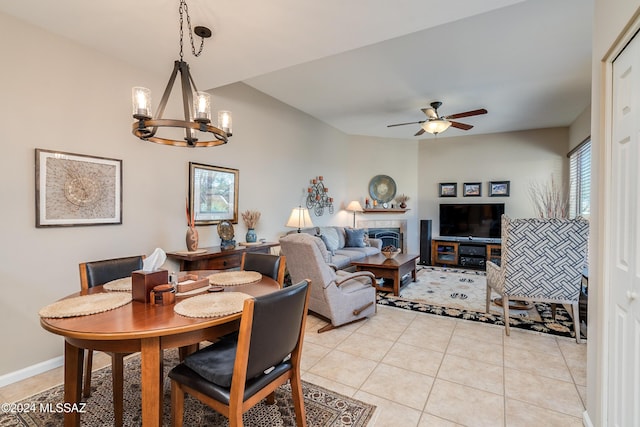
430	112
420	132
408	123
462	126
467	114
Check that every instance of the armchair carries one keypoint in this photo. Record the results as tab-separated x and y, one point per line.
338	296
542	260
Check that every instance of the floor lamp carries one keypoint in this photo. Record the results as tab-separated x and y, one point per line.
354	207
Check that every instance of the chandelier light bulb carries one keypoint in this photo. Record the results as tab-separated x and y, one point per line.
225	121
141	102
202	107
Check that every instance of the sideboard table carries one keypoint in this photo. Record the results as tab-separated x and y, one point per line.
215	258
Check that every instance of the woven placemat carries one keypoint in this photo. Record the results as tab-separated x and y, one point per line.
212	305
119	285
234	278
85	304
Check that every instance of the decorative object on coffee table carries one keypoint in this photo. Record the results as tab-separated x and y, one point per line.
318	198
390	251
226	233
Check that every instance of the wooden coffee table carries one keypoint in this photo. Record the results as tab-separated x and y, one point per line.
385	268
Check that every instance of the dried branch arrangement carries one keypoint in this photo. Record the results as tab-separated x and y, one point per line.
250	218
549	200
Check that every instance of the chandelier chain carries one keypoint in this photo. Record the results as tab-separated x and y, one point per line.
183	8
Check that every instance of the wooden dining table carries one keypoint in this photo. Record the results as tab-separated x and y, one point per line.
145	328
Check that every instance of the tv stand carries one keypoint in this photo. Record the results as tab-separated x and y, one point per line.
464	252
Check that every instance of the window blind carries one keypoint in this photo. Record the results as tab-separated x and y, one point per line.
580	180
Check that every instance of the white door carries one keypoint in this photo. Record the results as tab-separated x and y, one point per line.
623	258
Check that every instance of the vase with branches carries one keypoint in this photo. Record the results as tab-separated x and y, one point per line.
250	219
192	233
549	200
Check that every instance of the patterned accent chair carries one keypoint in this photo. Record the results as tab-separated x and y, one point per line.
338	296
542	260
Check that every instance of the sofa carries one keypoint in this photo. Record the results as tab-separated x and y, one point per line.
344	244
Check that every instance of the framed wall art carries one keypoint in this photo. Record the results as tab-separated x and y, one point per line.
499	188
472	189
77	190
448	189
213	194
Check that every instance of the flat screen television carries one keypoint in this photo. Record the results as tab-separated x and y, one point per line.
480	220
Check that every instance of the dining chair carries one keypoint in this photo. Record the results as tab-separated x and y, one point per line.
97	273
266	264
231	376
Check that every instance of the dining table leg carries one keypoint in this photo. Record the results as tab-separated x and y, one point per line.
151	382
73	358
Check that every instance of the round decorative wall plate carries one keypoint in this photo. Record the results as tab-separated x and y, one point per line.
225	230
382	188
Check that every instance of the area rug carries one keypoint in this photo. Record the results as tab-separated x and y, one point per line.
461	294
324	408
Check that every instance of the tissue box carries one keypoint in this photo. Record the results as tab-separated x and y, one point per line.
142	282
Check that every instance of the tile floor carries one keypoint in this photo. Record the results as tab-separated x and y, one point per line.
424	370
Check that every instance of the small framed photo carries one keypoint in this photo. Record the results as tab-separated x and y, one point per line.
76	189
472	189
448	189
499	189
213	194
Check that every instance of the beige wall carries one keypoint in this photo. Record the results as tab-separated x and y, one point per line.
522	158
580	129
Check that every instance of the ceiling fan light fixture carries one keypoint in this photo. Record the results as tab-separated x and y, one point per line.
436	126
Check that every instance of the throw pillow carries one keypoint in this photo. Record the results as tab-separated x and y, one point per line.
355	238
330	238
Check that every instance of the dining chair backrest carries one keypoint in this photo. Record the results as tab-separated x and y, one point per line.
266	264
276	328
97	273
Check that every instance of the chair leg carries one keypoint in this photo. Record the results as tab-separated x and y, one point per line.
553	311
88	366
505	307
488	299
271	399
298	400
177	404
576	321
117	383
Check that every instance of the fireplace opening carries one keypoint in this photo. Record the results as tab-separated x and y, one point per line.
389	236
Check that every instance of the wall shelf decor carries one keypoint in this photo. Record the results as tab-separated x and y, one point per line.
318	197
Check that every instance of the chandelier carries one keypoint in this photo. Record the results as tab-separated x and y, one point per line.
196	104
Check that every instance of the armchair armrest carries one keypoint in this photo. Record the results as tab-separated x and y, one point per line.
343	279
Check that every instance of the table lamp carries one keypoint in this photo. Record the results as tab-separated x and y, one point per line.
299	218
354	207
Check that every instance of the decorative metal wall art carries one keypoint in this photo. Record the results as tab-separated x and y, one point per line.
318	198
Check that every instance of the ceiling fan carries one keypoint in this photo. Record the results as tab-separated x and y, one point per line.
436	124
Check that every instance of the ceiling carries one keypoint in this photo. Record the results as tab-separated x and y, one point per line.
360	65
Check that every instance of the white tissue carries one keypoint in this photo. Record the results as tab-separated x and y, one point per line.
154	261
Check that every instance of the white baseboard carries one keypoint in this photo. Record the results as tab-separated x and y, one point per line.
30	371
586	421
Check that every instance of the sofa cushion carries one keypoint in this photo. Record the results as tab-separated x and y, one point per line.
354	238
